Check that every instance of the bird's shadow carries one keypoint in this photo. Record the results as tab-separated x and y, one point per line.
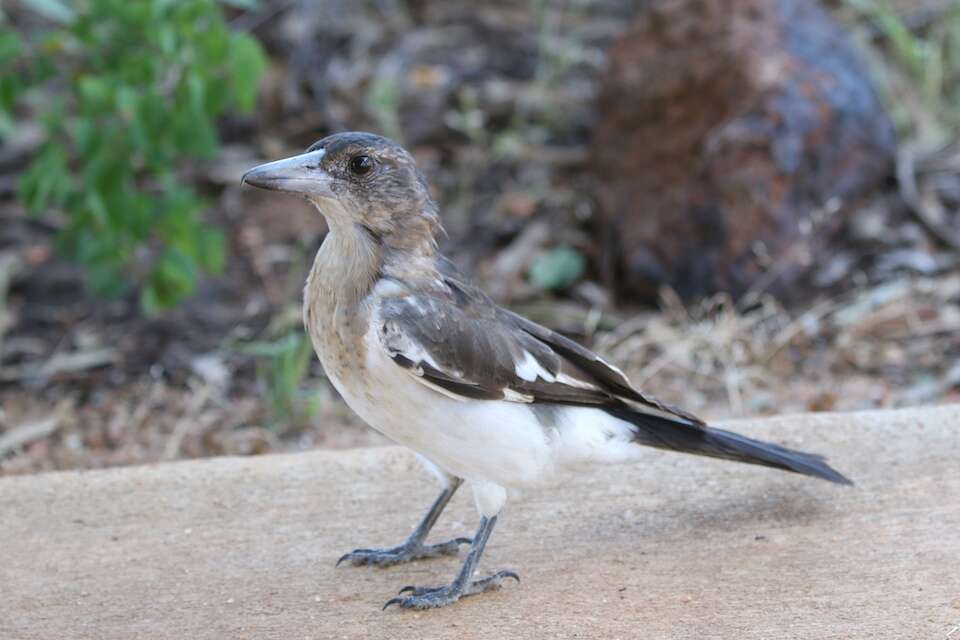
759	509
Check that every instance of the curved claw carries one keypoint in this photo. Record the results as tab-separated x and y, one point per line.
352	553
407	588
507	574
463	540
397	600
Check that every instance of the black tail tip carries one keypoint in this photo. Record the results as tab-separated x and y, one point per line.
834	476
753	451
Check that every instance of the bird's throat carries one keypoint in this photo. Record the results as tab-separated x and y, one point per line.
345	269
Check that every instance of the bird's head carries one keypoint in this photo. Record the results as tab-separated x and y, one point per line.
356	179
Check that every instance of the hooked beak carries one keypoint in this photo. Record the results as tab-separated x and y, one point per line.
297	174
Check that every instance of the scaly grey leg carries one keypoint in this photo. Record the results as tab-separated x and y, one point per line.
413	548
463	585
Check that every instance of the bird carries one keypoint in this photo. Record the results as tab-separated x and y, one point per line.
482	395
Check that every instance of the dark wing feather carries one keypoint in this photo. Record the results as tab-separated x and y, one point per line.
579	361
457	340
469	352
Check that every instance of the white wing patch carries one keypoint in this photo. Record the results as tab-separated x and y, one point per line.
570	381
450	394
613	368
530	369
660	413
515	396
395	341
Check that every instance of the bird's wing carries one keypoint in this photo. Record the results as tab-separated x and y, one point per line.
459	343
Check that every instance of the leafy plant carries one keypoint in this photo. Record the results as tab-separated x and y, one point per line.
128	94
282	366
928	59
383	101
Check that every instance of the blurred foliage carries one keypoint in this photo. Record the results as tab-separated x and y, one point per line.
383	101
127	92
282	366
929	61
558	269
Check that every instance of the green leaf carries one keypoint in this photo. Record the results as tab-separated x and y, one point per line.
150	300
210	249
10	46
98	207
195	132
6	125
247	63
269	349
282	366
215	46
106	279
557	269
47	181
10	88
95	93
173	278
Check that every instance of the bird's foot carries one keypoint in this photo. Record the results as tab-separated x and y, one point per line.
433	597
404	553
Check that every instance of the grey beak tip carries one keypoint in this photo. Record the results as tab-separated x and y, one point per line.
256	178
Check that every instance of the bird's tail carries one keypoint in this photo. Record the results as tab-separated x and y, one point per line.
664	433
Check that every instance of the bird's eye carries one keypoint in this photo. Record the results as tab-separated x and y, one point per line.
361	165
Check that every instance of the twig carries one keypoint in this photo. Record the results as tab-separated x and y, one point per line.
60	363
928	211
731	381
29	432
652	369
9	266
927	392
786	335
172	448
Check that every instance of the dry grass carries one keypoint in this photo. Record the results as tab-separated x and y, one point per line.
153	421
891	344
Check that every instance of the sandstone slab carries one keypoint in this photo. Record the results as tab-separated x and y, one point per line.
673	547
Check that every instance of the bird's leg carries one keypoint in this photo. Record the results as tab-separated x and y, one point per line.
413	548
463	585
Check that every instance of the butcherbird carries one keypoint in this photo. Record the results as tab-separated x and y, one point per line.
481	394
